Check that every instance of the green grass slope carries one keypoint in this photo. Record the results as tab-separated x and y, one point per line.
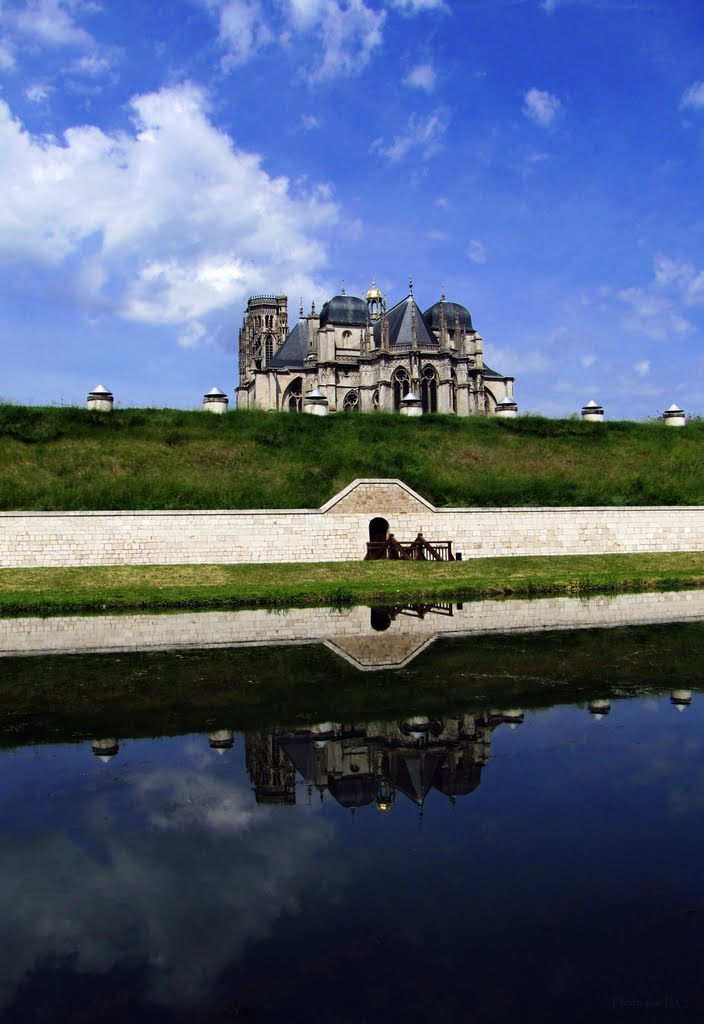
71	458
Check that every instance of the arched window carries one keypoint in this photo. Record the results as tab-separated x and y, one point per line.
429	389
351	402
347	338
402	385
293	396
453	392
375	398
269	348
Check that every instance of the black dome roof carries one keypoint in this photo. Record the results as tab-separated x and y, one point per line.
352	791
452	310
348	310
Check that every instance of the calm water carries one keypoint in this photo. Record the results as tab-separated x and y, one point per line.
434	864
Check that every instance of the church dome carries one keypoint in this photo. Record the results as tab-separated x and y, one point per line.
344	310
452	310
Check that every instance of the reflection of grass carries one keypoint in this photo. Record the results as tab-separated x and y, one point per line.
64	699
47	591
168	458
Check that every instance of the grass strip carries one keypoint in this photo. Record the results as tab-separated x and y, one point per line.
133	588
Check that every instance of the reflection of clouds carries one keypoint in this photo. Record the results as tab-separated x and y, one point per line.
192	873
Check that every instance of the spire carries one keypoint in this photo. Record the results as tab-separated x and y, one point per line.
343	287
312	308
443	321
300	311
414	325
410	285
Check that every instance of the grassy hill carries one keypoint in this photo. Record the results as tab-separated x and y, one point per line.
71	458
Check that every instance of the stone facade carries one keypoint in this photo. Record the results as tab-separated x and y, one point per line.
365	357
338	531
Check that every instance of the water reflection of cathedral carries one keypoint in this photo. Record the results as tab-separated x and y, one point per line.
360	766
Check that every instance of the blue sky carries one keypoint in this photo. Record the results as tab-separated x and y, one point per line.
540	159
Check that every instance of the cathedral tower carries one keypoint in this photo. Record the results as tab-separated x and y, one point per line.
262	334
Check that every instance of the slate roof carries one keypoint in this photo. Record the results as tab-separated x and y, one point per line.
452	310
400	326
294	350
490	374
345	310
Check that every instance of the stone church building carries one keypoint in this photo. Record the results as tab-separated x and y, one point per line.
362	356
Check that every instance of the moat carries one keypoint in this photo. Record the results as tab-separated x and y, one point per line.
502	827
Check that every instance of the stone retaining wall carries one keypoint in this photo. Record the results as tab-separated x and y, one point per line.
338	531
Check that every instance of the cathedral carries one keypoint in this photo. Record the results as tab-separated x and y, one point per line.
358	355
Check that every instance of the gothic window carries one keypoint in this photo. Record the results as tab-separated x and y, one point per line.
269	348
375	398
347	337
402	385
293	396
351	402
453	392
429	390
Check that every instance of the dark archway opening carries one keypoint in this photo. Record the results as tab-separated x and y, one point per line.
378	529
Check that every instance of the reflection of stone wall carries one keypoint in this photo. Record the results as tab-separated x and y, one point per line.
349	633
336	532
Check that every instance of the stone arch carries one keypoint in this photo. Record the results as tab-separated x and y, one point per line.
429	389
351	401
378	529
489	402
401	383
292	400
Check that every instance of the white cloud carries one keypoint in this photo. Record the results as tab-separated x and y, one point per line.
347	31
587	361
38	92
91	64
422	76
50	22
541	107
642	368
416	6
243	29
423	133
683	276
165	224
7	59
309	122
476	251
693	97
442	202
657	310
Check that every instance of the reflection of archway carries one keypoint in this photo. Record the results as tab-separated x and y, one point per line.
293	396
429	390
380	619
378	529
402	385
